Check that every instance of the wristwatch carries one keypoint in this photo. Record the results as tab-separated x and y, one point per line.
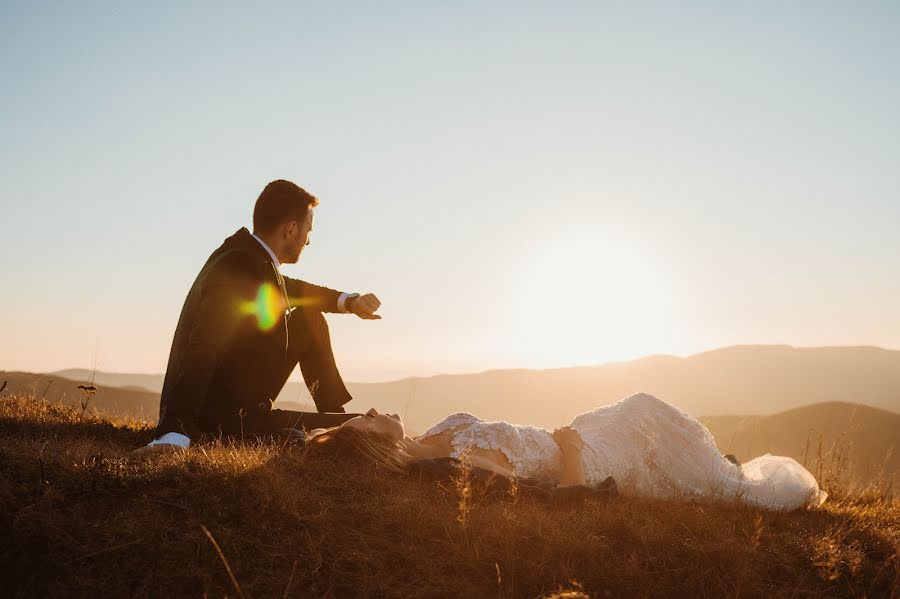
347	305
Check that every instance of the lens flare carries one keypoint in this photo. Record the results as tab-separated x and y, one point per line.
268	307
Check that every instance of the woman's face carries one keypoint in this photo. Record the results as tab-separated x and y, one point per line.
388	425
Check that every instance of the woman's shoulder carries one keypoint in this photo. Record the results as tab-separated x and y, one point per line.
464	423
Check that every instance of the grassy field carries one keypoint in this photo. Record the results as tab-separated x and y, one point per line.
79	518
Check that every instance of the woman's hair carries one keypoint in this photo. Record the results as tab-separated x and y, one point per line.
353	444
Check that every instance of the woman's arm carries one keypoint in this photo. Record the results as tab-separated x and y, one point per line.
570	444
490	459
438	446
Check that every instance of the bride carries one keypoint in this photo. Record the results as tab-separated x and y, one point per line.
649	447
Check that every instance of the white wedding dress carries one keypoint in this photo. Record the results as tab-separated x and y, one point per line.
650	447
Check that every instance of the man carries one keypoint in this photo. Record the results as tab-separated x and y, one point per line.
243	329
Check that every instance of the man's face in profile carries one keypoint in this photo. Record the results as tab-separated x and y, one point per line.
298	237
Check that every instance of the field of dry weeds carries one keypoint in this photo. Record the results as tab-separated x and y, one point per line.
79	518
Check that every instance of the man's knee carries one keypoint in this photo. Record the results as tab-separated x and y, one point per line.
307	333
307	321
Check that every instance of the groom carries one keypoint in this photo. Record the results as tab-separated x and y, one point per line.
244	327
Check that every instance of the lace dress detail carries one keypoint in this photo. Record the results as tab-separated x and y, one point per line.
532	451
651	448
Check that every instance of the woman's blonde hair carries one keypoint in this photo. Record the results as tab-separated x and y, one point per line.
349	443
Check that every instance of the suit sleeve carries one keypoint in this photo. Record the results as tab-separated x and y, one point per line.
306	295
217	319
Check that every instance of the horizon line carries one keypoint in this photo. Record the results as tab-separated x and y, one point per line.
549	368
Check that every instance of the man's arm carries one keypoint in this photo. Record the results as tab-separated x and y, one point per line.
306	295
301	293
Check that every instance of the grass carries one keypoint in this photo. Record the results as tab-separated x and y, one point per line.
79	518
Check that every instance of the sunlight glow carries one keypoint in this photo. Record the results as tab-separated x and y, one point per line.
268	306
589	299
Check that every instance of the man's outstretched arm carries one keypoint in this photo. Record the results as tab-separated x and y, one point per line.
303	294
306	295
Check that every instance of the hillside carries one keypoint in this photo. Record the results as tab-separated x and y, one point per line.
783	394
147	382
117	402
752	379
79	518
868	438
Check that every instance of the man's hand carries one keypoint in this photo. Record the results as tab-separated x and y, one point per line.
151	451
364	306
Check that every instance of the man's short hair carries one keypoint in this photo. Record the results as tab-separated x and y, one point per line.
280	202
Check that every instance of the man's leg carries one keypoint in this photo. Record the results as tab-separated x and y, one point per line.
309	344
279	420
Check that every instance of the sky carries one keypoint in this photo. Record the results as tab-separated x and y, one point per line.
521	184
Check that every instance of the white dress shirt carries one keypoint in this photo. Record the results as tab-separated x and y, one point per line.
268	249
180	440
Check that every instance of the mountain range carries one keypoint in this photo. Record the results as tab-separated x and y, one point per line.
859	442
746	380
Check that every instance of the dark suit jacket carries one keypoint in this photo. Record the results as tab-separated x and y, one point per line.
231	339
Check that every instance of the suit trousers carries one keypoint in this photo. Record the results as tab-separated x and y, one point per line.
309	345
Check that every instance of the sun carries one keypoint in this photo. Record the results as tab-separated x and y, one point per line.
591	299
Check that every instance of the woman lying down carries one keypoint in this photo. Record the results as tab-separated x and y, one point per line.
640	446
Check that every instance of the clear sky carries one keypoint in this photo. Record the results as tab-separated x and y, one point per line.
522	184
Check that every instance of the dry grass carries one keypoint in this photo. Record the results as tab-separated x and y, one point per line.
78	518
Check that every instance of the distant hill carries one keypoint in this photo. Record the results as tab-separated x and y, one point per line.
751	379
868	437
147	382
112	401
850	397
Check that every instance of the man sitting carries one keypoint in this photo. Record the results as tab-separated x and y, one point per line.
244	327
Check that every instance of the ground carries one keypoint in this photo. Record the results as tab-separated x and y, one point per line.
78	517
